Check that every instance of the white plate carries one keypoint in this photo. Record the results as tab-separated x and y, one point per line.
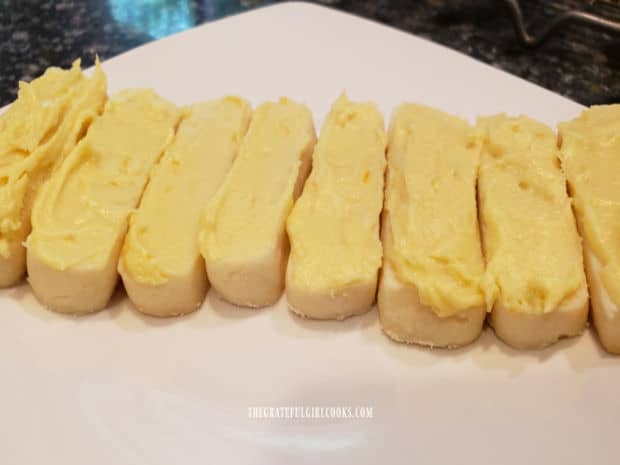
120	388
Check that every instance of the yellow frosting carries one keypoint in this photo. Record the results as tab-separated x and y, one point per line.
163	233
334	226
80	214
43	125
533	251
433	241
590	154
248	213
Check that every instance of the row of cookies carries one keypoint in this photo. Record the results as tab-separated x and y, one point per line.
464	221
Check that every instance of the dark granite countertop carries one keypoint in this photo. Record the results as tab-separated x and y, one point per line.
579	62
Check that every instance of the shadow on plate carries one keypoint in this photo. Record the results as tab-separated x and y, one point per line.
291	325
213	312
489	353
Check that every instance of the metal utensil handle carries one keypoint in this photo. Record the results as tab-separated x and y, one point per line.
572	15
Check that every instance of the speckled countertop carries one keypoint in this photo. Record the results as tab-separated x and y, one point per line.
579	62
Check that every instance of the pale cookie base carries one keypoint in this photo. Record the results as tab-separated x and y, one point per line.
177	296
405	319
329	304
536	331
73	291
605	313
255	283
13	267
